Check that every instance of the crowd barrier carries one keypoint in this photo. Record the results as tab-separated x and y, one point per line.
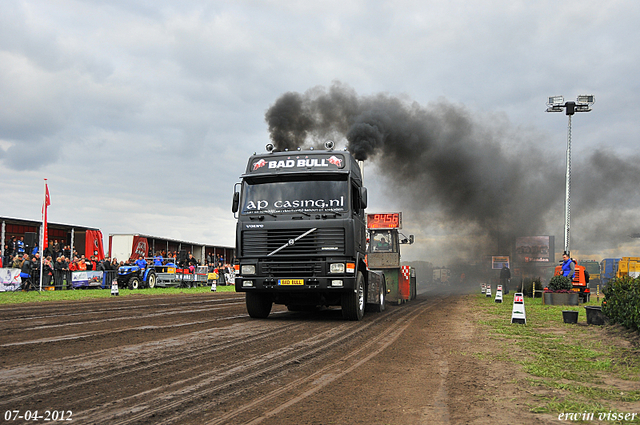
10	279
65	279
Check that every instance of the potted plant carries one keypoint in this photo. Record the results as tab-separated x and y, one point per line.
559	292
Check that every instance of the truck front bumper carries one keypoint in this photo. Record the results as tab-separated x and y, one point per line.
275	284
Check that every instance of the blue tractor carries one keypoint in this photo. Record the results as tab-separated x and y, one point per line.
133	277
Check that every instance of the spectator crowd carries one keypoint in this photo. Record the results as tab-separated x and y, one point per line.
59	260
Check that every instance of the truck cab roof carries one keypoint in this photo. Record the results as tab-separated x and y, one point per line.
302	162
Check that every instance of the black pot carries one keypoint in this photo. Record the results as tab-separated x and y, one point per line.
595	315
570	316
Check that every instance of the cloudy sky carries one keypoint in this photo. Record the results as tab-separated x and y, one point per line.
142	114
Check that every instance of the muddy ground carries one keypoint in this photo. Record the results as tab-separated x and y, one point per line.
199	359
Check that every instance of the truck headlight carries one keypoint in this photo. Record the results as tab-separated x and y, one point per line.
247	269
336	268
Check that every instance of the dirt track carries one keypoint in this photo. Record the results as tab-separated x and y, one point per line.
198	358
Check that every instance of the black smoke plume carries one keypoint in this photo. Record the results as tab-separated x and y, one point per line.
478	180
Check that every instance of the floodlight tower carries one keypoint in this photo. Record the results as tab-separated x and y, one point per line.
583	103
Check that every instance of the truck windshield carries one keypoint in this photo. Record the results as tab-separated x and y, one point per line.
260	197
381	241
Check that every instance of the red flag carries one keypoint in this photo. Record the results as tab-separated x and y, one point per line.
93	244
45	233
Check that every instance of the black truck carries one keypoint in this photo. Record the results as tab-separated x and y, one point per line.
301	234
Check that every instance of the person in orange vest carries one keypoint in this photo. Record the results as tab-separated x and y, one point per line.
82	266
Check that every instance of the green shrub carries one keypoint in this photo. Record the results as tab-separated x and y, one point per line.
560	282
622	302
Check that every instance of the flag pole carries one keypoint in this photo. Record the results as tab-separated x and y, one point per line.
40	249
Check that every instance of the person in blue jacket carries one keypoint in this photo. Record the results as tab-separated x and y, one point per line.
568	266
141	262
20	246
157	261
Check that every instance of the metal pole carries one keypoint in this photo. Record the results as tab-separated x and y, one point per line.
2	244
567	199
40	249
41	254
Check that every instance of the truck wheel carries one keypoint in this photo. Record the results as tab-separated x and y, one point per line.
134	282
353	302
151	280
258	305
379	308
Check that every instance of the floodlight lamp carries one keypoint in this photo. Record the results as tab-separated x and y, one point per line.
555	101
583	108
586	99
554	109
269	147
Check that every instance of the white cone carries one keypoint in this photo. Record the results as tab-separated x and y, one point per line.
498	298
114	288
518	313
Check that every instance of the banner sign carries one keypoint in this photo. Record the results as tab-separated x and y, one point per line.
268	164
139	248
534	249
9	279
499	261
87	279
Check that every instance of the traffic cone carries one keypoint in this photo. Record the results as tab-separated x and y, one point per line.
213	286
518	314
114	288
488	292
483	288
498	298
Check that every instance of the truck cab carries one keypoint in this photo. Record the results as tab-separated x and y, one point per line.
301	234
383	255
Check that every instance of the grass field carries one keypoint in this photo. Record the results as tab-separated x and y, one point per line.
80	294
586	368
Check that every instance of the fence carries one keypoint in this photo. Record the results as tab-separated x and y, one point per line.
60	279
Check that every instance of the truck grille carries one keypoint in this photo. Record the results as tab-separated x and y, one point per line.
323	241
291	269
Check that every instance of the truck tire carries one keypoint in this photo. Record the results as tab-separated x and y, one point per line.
258	305
134	282
151	280
379	308
353	302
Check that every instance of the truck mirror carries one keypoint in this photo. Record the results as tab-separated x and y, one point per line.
363	198
236	202
411	239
